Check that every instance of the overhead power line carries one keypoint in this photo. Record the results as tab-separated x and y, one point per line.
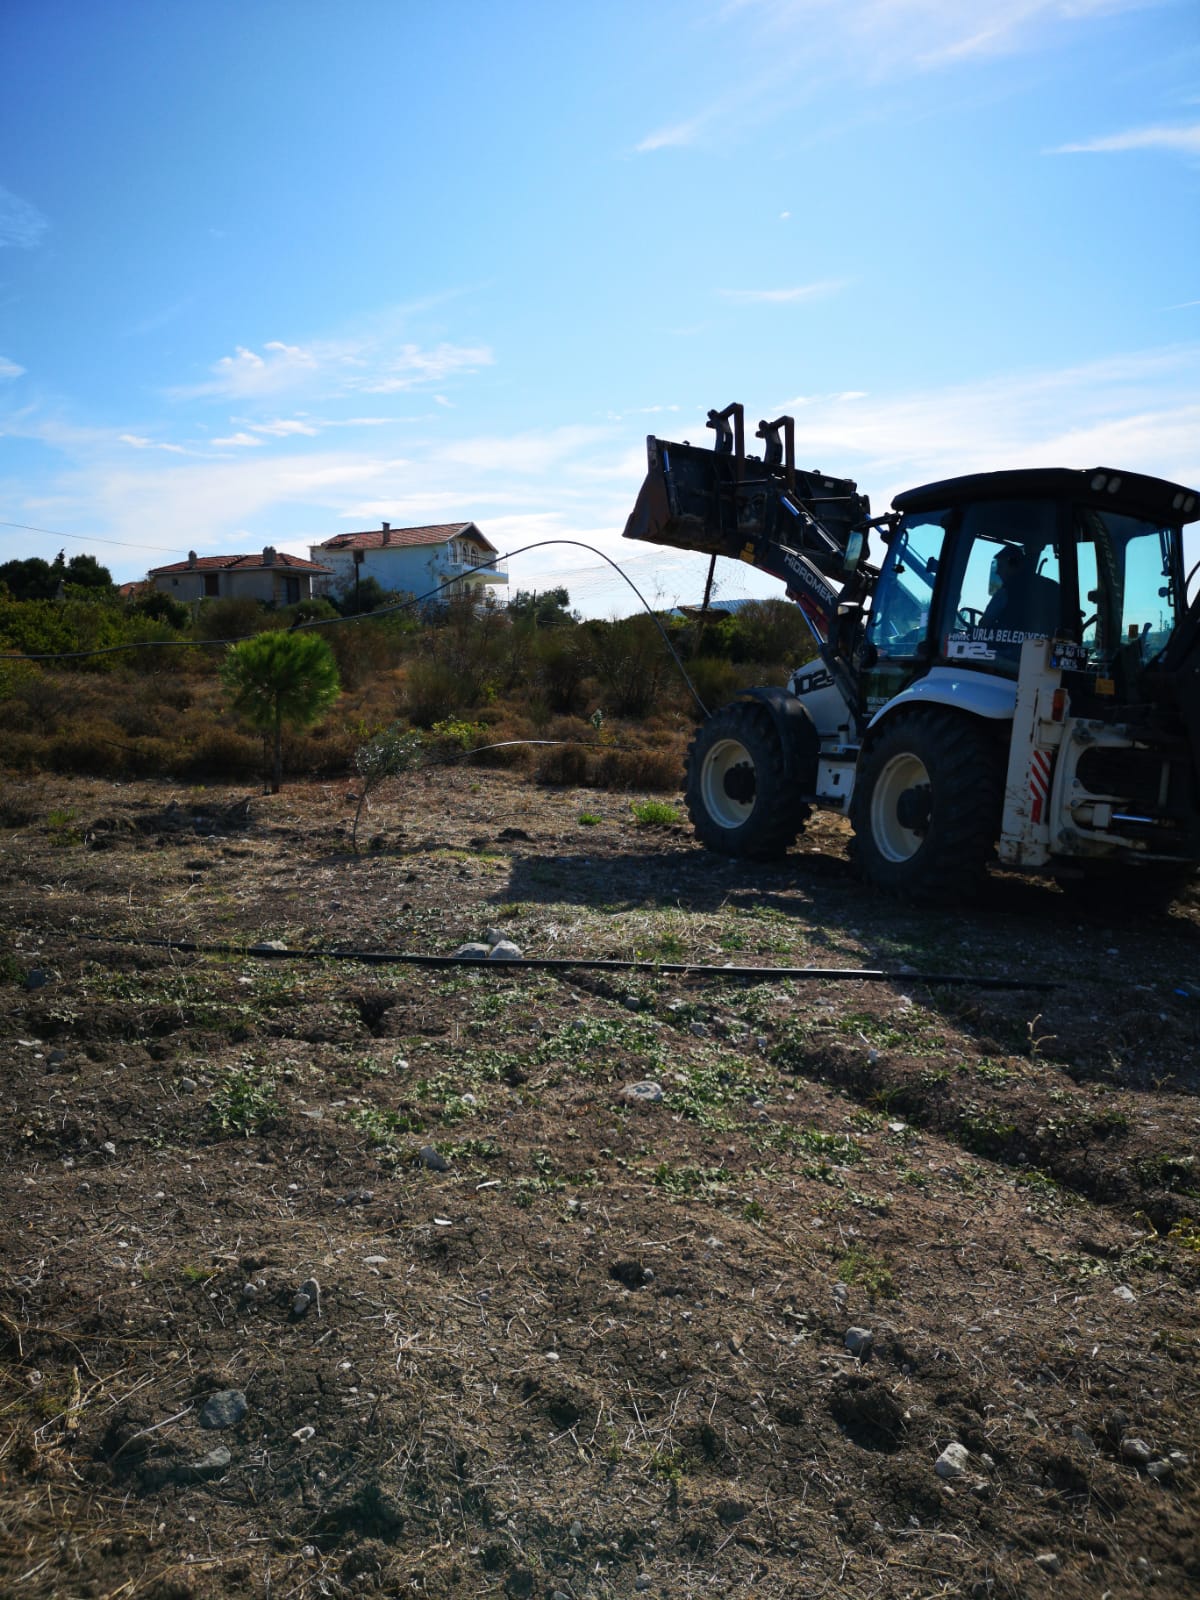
91	538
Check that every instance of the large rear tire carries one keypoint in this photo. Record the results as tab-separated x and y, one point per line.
927	805
739	794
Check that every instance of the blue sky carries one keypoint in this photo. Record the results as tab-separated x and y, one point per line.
273	269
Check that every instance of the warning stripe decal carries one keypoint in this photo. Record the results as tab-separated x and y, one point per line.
1039	784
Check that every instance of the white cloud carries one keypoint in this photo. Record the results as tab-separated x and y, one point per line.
10	369
370	364
895	35
239	441
781	297
283	428
248	374
21	224
675	137
1178	140
138	442
412	366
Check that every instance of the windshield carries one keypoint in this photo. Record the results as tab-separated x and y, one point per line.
1127	582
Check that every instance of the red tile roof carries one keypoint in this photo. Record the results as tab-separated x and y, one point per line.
240	563
377	538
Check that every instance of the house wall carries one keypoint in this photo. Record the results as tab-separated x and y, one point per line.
266	584
409	569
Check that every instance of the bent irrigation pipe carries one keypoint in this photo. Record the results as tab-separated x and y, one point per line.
405	958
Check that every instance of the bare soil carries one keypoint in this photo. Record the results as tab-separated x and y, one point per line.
558	1342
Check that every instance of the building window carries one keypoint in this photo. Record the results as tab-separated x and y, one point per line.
291	590
212	584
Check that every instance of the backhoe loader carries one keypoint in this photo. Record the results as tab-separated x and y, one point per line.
1017	680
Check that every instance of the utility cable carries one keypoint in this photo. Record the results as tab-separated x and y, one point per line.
404	958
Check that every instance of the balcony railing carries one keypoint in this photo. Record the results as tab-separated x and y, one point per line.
480	571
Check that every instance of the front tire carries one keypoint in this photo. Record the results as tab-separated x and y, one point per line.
739	795
927	804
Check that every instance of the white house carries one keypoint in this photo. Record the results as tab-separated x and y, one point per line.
416	561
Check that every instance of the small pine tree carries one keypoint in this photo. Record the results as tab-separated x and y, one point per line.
280	677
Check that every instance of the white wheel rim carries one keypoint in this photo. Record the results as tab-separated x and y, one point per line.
892	839
723	760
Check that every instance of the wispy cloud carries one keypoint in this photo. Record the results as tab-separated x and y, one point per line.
10	369
783	297
137	441
365	365
21	224
1179	140
675	137
285	427
935	33
239	441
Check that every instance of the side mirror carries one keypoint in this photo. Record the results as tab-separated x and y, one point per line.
854	550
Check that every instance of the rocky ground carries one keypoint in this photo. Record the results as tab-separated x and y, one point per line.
327	1278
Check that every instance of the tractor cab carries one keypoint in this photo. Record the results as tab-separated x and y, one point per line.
977	565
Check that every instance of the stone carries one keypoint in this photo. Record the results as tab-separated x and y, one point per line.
188	1085
952	1462
1136	1451
1124	1292
308	1294
859	1341
36	978
643	1581
1048	1560
494	936
506	950
631	1003
267	947
700	1029
224	1409
645	1093
433	1159
1160	1470
473	952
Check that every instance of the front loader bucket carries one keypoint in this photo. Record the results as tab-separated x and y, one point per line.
723	504
686	501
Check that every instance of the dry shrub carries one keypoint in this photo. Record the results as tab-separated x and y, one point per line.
323	751
221	753
24	752
433	693
151	757
509	757
35	701
173	695
638	769
714	680
565	764
364	650
98	748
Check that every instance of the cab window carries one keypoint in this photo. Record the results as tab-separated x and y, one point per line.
900	610
1006	587
1126	590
